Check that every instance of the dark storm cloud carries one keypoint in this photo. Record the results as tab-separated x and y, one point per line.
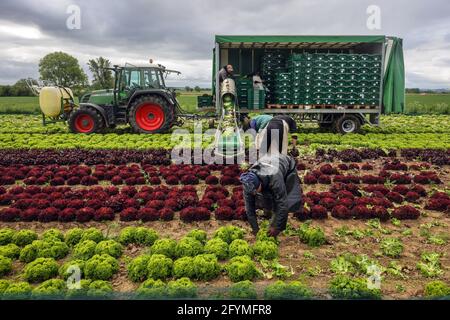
177	31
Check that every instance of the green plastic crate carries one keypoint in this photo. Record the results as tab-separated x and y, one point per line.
203	102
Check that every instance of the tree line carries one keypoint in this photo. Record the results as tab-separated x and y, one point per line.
62	69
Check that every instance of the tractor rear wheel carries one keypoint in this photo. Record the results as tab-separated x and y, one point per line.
86	120
150	114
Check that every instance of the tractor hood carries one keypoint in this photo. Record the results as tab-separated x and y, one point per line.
100	97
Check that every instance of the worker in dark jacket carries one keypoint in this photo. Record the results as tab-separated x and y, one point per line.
272	184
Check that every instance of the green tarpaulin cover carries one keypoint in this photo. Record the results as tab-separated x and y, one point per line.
294	39
394	80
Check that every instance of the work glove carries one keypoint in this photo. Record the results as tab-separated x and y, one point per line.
273	232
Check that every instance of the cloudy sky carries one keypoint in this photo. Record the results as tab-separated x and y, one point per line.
179	34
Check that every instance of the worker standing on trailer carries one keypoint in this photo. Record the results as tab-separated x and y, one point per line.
272	184
258	83
225	73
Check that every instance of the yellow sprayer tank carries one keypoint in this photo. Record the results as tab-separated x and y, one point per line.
51	100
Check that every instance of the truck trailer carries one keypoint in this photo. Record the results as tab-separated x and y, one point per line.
342	93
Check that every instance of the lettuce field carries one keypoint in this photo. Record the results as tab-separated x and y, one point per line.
109	216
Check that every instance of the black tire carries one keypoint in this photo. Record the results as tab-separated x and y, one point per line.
161	111
347	124
86	120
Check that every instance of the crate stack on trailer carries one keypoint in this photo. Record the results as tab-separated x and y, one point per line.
329	79
273	62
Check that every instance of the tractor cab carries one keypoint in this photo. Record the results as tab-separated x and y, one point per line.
132	78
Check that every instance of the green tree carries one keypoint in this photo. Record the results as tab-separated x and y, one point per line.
103	78
5	91
187	88
197	89
20	89
62	69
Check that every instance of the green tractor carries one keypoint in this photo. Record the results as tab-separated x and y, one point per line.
139	97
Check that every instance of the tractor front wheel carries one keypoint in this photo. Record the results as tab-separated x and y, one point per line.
85	121
150	114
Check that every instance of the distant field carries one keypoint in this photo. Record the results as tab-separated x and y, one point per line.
415	103
30	105
428	103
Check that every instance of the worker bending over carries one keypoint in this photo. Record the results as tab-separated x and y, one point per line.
272	132
272	184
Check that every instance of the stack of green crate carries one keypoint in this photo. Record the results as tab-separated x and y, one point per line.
256	98
328	78
204	101
273	62
242	87
283	88
297	65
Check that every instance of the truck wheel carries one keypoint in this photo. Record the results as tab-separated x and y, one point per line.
347	124
86	120
150	114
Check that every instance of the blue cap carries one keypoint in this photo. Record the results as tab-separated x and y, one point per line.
253	124
250	181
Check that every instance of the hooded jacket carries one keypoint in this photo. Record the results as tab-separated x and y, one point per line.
281	190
